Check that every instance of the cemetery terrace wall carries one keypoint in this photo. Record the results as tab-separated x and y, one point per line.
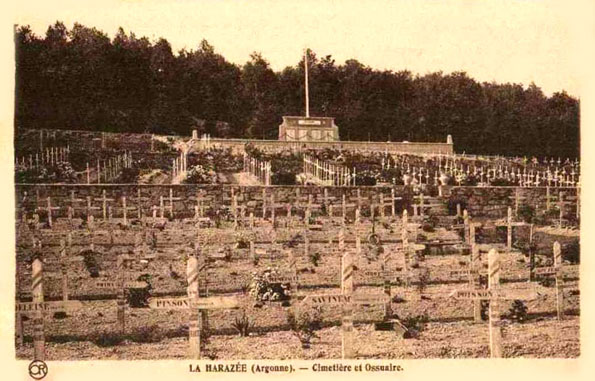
32	198
480	201
494	201
28	141
394	147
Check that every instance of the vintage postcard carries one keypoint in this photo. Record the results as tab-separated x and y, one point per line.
392	189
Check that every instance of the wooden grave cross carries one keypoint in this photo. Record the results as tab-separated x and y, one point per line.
139	203
509	226
125	210
196	304
292	277
407	248
73	206
104	201
346	300
90	209
418	209
264	203
37	307
49	209
557	271
344	206
171	202
121	285
561	205
388	278
199	209
495	294
474	271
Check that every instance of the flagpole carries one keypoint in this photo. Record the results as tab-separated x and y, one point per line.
306	82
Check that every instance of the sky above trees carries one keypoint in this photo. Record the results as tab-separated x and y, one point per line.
516	41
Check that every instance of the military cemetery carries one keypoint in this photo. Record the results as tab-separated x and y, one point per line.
190	245
107	267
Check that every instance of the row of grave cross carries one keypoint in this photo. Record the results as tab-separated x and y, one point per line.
51	156
532	177
107	208
328	173
111	168
179	167
262	170
133	206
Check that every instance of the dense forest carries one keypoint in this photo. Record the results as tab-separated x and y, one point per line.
82	79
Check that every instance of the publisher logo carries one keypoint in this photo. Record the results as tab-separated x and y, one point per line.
38	369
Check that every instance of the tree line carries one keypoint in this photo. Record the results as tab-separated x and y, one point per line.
81	79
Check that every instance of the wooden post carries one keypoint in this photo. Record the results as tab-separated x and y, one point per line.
405	240
64	269
494	313
466	226
294	274
121	301
516	202
531	255
252	252
125	211
387	286
264	203
192	292
273	209
509	230
392	202
474	273
559	280
561	206
347	290
37	294
203	292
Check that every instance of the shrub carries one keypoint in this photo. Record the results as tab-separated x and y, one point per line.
243	325
150	334
518	311
90	263
428	228
314	257
304	323
263	287
283	178
139	297
572	252
526	213
200	175
547	281
106	338
416	323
